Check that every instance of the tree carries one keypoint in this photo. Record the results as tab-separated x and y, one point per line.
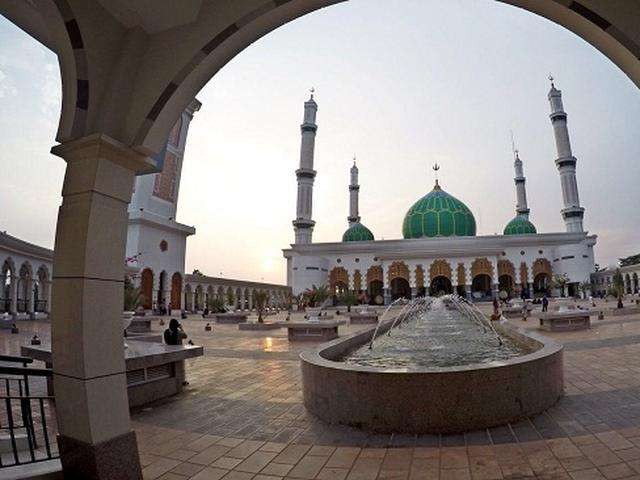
315	296
618	286
231	299
349	299
260	299
133	297
585	287
560	281
216	305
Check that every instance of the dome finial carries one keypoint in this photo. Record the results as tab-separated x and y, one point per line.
312	90
354	159
435	168
551	80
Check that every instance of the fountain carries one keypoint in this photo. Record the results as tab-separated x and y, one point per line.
432	365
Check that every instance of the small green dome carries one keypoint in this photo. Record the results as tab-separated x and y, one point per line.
357	233
438	214
520	225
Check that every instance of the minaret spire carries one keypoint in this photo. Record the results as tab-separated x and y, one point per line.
303	224
572	213
520	180
354	192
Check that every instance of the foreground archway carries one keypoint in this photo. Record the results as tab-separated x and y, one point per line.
110	127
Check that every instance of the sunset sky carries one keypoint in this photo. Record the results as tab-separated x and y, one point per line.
401	84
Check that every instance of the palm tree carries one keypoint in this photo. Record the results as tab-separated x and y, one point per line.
618	286
260	298
559	282
132	296
314	296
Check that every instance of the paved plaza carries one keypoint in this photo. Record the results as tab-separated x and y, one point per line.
242	418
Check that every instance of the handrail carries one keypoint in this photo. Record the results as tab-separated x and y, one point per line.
36	372
28	417
15	359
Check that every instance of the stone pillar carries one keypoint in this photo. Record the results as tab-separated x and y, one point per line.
250	301
242	301
30	303
14	294
414	292
467	291
495	290
95	436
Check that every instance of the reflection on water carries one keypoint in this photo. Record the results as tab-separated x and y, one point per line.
441	336
267	344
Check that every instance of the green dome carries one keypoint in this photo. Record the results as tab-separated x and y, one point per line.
438	214
520	225
357	233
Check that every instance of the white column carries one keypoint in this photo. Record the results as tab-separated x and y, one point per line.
14	293
88	286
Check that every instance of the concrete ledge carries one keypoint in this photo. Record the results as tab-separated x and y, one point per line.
433	400
255	326
312	331
230	318
566	321
617	312
47	470
363	318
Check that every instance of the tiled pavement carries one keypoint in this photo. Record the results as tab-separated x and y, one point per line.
241	418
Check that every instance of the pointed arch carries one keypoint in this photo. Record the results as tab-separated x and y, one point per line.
440	268
398	269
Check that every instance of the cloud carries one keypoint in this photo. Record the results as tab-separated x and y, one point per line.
7	88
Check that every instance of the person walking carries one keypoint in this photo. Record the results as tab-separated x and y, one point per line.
545	303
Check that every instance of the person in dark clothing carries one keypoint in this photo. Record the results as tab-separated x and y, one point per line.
174	334
545	303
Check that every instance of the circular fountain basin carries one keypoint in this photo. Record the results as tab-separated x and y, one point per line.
436	399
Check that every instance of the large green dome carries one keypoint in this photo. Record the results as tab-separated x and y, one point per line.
357	233
520	225
438	214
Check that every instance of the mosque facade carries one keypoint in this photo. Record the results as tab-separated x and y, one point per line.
439	251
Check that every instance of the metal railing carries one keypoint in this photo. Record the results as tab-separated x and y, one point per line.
27	422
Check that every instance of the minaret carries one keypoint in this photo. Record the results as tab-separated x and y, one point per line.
303	225
572	213
354	192
521	192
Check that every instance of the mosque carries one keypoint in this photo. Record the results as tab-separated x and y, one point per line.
439	250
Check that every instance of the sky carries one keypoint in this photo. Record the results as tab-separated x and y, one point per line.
400	84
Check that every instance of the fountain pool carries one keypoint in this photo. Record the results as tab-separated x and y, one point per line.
434	366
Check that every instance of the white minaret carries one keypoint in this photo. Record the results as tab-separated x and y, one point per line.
354	192
303	225
521	192
572	213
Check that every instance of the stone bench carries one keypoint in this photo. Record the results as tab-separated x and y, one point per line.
312	331
154	370
230	318
566	320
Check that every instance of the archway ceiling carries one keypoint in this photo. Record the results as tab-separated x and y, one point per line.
145	60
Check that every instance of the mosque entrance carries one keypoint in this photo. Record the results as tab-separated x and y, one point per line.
505	283
440	285
400	288
541	283
176	288
375	292
146	285
481	286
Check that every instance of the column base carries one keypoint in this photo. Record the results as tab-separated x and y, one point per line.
115	458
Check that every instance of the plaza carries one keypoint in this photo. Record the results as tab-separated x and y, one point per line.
130	73
241	417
